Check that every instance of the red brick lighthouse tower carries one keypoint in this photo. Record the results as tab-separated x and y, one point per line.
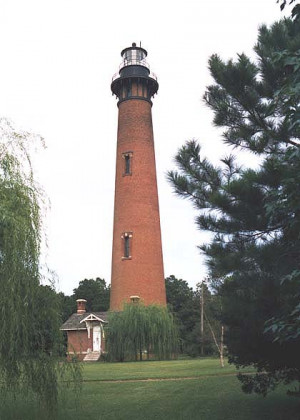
137	262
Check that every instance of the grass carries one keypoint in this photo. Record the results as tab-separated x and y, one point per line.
156	370
212	394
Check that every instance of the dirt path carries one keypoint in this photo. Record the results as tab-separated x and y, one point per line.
178	378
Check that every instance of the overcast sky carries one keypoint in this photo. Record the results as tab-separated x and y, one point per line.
57	61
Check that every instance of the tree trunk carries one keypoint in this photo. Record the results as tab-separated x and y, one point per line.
222	347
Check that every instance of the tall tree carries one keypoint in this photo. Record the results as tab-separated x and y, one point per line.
184	303
96	292
29	336
253	214
67	305
139	328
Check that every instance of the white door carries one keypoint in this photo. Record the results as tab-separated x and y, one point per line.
96	338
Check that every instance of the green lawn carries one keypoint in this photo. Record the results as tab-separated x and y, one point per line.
119	391
151	370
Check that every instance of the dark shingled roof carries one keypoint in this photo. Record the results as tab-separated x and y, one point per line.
73	323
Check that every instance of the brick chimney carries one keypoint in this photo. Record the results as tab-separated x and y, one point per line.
81	306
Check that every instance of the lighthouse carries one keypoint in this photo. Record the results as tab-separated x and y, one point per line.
137	261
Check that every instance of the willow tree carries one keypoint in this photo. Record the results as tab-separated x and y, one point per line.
139	328
29	327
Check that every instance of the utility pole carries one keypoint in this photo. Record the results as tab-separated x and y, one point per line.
202	317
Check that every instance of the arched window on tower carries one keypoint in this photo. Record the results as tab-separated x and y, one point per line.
127	156
127	245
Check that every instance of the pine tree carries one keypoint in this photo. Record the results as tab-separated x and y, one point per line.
254	214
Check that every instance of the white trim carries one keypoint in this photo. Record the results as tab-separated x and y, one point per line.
92	317
97	338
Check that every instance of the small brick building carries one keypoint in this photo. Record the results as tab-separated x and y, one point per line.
85	332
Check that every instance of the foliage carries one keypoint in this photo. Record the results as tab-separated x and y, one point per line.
184	303
211	340
253	214
181	302
295	10
96	292
30	341
179	294
139	328
67	305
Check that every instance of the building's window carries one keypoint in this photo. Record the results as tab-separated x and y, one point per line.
126	247
127	163
127	237
135	299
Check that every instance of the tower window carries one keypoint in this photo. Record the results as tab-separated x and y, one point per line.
127	163
127	237
126	247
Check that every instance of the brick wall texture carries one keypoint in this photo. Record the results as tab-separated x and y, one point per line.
136	211
79	343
